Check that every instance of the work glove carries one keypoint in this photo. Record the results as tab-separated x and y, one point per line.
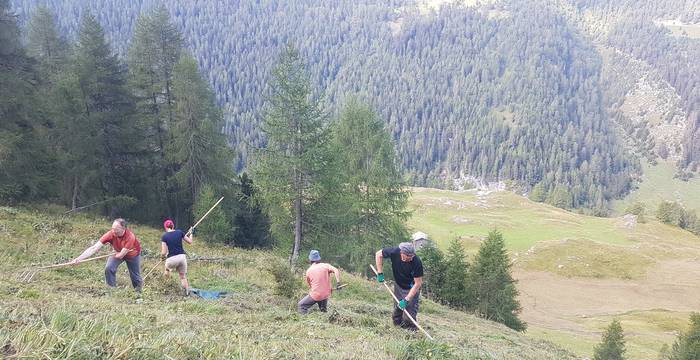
163	257
402	304
380	277
337	286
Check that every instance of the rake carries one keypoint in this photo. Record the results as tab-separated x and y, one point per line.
27	275
404	310
188	233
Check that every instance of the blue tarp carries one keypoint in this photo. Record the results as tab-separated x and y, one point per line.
208	294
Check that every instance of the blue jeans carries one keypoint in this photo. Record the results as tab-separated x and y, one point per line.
134	265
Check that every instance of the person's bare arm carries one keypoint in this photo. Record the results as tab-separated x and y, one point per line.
122	253
379	257
163	250
88	252
417	283
336	273
188	238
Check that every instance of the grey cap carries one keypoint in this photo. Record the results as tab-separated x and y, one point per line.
314	255
407	248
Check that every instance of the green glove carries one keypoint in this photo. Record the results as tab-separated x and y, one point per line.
402	304
380	277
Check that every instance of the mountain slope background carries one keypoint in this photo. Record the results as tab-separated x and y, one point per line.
487	90
577	273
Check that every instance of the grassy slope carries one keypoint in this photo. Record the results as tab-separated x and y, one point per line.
545	238
70	314
658	185
542	237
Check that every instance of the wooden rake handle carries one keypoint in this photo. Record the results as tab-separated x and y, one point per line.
203	216
404	310
150	271
79	262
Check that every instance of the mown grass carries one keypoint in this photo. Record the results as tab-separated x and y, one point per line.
70	314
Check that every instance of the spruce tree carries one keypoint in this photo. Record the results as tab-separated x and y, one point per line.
154	51
198	150
687	345
495	295
434	271
456	289
538	193
252	224
612	345
27	169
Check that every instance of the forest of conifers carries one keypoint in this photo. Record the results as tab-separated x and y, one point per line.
508	90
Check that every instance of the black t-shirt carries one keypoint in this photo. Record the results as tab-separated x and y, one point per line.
404	272
174	241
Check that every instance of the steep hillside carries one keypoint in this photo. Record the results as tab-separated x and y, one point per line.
69	313
576	273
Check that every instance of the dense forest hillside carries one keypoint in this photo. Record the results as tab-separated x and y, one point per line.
503	90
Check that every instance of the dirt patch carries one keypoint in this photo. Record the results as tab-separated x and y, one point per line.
551	301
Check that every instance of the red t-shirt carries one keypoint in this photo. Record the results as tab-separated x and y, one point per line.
128	241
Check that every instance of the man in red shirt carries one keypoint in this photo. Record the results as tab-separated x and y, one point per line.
127	248
318	276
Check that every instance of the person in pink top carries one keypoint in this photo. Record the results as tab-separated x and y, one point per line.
318	276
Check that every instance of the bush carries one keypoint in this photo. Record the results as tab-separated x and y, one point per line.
286	283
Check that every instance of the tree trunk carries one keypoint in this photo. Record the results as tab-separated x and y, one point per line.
74	198
297	228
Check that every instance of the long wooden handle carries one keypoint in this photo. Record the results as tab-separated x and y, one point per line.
150	271
79	262
397	302
205	215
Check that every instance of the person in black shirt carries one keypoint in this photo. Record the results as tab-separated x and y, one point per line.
173	253
408	276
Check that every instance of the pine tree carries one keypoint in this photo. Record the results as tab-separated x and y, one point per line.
612	345
153	53
252	224
27	169
45	43
494	291
288	168
434	271
99	123
539	192
456	290
687	345
198	150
